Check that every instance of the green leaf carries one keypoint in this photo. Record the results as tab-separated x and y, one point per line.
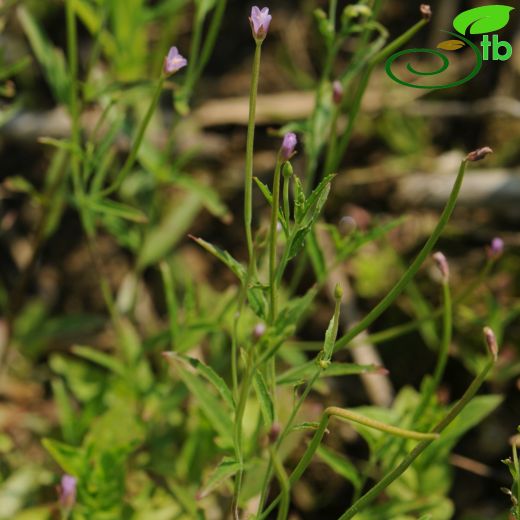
299	373
116	209
212	408
266	403
266	192
474	412
482	20
71	459
340	465
99	358
236	267
308	217
224	471
212	377
68	420
51	59
209	197
174	225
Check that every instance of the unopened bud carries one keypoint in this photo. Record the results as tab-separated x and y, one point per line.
491	342
347	225
67	491
287	170
426	12
442	265
337	92
259	331
479	154
496	248
274	433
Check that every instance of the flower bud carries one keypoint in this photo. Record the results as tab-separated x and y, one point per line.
347	225
338	292
173	62
67	491
426	12
260	21
496	248
274	433
259	331
337	92
479	154
491	342
287	170
288	146
442	265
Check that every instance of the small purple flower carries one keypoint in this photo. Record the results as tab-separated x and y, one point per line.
337	92
496	248
288	145
260	21
174	61
67	491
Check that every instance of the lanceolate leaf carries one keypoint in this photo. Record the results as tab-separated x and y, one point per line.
212	377
482	20
237	268
225	470
266	404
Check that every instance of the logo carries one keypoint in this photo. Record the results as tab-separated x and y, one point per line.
479	21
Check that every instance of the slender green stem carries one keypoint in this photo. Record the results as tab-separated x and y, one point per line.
322	361
199	58
360	92
405	464
285	485
237	434
286	202
348	415
432	385
412	270
132	156
399	330
272	241
248	188
333	7
72	50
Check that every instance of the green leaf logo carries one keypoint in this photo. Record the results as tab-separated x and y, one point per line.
482	20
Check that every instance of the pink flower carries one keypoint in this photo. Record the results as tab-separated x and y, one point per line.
67	491
260	21
174	61
496	248
288	146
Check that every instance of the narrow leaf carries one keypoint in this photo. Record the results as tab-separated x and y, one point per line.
340	465
266	403
224	471
236	267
